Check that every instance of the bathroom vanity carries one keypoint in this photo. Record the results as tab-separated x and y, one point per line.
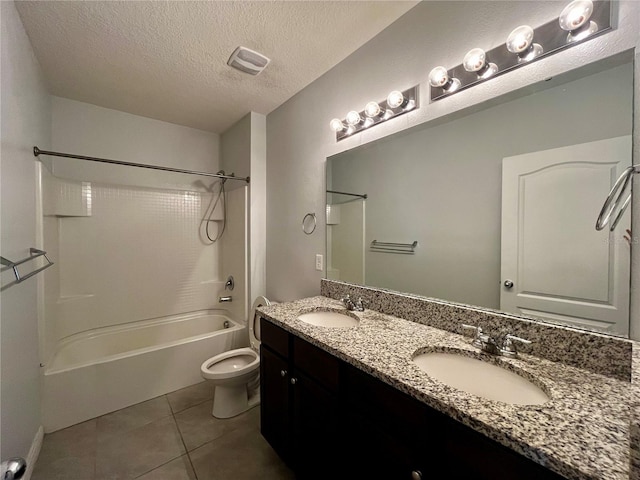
351	403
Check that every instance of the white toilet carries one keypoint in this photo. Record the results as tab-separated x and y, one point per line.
236	374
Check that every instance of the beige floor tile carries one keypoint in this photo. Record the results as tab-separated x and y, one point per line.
241	454
71	449
66	468
133	453
190	396
133	417
198	426
178	469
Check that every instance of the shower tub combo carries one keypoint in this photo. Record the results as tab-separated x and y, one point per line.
103	370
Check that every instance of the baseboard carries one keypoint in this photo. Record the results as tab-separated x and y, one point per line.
34	452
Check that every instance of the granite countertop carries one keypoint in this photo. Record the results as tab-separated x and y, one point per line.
581	433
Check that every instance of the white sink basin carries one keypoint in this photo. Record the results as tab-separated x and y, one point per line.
330	319
480	378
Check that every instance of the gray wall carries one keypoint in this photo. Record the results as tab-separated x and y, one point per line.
298	134
26	121
442	185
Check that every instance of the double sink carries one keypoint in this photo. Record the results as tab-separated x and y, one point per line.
460	369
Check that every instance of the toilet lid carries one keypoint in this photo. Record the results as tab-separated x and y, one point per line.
254	321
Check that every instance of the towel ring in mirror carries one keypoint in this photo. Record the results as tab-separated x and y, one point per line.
309	223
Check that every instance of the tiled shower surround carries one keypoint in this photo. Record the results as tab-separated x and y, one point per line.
138	254
602	354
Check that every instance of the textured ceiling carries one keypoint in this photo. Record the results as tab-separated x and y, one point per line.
167	59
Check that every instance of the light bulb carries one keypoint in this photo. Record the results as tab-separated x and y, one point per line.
520	42
395	99
439	77
575	20
336	125
372	109
476	61
353	118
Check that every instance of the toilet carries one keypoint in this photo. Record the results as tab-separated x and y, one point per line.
235	374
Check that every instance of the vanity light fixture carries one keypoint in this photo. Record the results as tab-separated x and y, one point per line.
575	19
520	42
476	61
582	19
397	103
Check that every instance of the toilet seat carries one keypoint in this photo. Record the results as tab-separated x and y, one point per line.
254	321
231	364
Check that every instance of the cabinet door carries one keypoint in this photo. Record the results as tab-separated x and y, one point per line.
275	422
317	449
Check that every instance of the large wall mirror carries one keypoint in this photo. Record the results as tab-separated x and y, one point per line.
502	201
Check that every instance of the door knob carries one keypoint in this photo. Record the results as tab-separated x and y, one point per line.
283	373
294	380
13	469
508	284
416	475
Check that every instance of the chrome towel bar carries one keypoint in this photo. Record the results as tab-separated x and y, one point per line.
391	247
33	254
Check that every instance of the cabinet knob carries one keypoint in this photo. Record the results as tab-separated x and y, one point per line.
294	380
416	475
283	373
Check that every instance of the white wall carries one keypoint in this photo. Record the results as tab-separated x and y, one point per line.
243	152
26	120
85	129
430	34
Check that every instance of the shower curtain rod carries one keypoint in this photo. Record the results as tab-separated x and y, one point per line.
37	152
350	194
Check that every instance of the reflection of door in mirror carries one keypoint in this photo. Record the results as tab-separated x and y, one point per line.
345	237
555	265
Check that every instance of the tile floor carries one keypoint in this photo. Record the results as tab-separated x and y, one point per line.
171	437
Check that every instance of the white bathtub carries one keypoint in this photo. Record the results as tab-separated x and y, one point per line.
103	370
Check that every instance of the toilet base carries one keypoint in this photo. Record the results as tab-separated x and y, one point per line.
229	401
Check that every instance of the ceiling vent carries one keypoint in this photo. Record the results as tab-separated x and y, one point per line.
248	61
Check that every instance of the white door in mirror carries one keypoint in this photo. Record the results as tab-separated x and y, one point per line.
554	263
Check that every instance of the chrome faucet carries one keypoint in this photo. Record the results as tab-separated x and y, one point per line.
488	344
357	306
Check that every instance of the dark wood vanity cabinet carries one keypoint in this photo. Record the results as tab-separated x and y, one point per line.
330	420
300	417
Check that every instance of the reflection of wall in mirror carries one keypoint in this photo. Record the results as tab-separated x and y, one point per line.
441	185
345	243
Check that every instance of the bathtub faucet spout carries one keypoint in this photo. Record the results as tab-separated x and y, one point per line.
225	299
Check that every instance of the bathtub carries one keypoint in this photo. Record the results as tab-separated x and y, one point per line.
103	370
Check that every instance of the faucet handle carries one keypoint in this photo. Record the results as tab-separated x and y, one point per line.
361	304
509	346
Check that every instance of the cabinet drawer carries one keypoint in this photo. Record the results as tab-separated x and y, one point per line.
274	337
316	363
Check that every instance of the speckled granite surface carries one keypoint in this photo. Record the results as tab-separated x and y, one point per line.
591	351
634	458
583	432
